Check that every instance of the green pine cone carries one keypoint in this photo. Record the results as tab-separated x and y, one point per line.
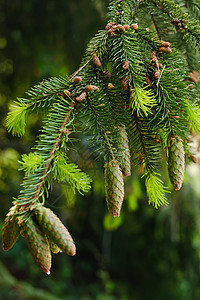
55	230
176	162
114	187
10	230
125	156
38	245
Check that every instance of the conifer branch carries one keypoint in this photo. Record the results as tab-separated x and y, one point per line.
69	172
179	18
46	92
155	190
128	79
30	162
34	183
145	149
51	154
16	118
193	113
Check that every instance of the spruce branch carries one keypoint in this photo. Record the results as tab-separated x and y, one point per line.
43	95
194	6
30	162
193	113
54	147
145	149
148	39
141	100
179	18
69	172
16	118
170	114
98	45
155	189
131	88
34	183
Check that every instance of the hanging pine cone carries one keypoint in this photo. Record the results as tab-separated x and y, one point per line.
10	230
124	159
176	162
114	187
38	245
55	230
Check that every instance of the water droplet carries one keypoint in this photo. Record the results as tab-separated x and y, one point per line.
48	273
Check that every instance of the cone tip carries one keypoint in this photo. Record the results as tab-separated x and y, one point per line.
178	187
127	174
116	214
73	252
5	248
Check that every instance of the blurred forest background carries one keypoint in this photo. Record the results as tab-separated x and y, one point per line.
146	253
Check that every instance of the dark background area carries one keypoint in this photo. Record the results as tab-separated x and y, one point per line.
146	253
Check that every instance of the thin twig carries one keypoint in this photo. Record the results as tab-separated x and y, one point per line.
83	66
156	26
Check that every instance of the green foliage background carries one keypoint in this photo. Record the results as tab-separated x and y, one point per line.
144	254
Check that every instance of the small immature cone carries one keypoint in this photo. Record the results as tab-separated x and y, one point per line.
110	86
10	230
38	245
157	74
125	65
77	79
126	26
91	87
176	162
109	25
108	74
125	156
165	49
114	187
165	44
51	225
68	93
121	27
134	26
81	97
96	60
